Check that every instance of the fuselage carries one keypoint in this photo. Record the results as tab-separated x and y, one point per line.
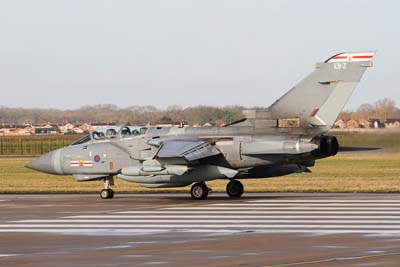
240	149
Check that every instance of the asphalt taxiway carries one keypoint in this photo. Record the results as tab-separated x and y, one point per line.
173	230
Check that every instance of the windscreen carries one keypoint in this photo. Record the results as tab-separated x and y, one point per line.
84	139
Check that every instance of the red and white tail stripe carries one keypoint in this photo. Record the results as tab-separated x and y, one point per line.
348	57
80	163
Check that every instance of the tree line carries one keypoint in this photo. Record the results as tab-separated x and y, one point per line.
108	113
382	109
141	115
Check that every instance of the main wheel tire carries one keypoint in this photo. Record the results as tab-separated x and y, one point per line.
199	191
106	193
234	189
111	193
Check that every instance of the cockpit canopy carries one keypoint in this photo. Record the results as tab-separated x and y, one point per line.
117	132
111	132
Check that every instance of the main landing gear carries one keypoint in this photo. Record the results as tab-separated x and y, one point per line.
107	192
200	191
234	189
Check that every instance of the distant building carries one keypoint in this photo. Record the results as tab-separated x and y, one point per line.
67	128
46	130
30	129
14	132
376	123
364	123
77	130
99	125
352	124
164	124
85	127
392	123
340	124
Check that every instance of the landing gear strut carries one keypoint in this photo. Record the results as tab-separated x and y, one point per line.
107	192
234	189
199	191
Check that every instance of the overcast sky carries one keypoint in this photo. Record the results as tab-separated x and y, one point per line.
66	54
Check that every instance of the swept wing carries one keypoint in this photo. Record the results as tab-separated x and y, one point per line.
188	149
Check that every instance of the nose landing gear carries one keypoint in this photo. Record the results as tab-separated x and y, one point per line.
107	192
199	191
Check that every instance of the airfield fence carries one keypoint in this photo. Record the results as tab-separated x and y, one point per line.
33	145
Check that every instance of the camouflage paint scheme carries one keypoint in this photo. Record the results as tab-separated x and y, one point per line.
285	138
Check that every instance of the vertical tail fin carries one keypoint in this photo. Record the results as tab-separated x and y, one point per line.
318	99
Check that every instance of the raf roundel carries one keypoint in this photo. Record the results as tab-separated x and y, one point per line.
97	158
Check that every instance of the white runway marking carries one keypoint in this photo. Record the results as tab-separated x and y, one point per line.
280	216
87	231
206	231
222	220
175	216
306	204
230	211
326	200
244	207
199	226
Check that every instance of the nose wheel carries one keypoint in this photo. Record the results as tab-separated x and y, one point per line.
234	189
199	191
107	192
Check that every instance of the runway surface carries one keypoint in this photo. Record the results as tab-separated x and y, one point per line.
173	230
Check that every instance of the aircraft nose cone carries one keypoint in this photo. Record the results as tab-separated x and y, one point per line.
43	163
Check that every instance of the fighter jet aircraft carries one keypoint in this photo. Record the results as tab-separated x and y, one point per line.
287	137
